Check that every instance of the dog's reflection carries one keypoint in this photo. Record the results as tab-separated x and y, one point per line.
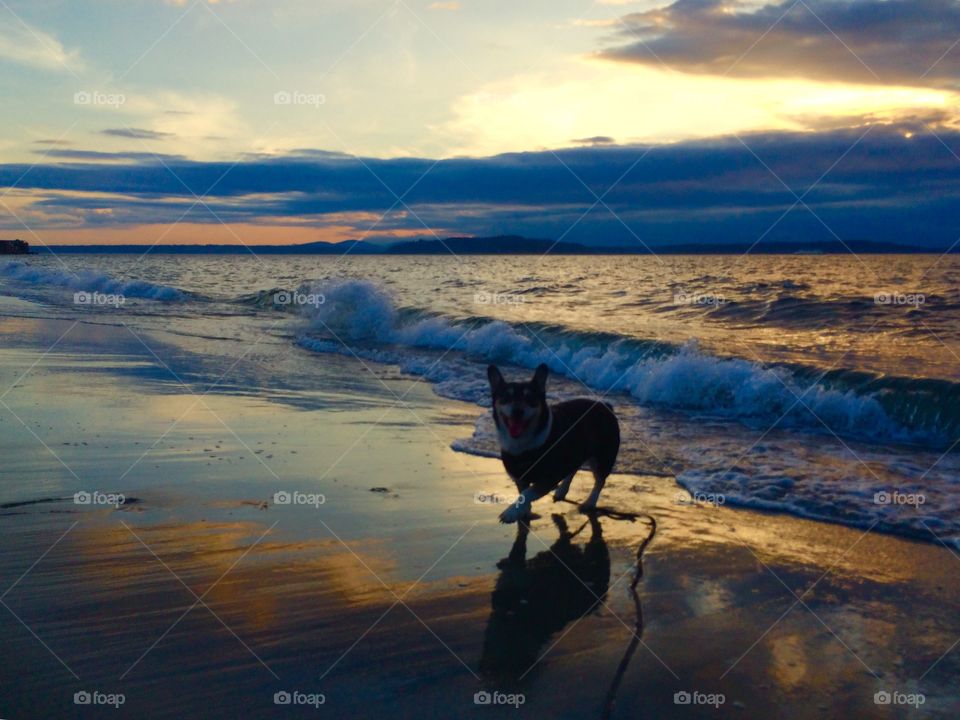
536	598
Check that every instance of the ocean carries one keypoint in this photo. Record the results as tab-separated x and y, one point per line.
821	386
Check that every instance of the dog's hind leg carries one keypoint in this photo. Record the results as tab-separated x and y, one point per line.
561	492
599	478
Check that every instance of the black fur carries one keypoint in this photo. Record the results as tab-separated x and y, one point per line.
582	431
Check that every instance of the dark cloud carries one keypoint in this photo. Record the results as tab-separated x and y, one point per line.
136	133
886	183
97	155
595	140
887	41
52	142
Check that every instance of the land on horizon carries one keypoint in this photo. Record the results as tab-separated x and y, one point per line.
504	245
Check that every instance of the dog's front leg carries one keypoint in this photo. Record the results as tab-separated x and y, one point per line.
563	488
522	506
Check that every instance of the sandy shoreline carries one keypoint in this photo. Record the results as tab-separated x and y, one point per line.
203	598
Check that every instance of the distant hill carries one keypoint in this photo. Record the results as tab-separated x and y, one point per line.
14	247
503	245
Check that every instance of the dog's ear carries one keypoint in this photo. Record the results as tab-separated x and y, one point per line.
540	377
495	378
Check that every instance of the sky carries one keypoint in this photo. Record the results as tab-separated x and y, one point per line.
597	121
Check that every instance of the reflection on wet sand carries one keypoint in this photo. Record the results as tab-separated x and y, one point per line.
535	598
637	633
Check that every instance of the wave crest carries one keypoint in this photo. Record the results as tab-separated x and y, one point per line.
89	281
680	378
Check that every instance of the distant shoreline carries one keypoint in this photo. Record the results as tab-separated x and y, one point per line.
504	245
490	254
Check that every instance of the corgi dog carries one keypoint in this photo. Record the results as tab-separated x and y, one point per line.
543	446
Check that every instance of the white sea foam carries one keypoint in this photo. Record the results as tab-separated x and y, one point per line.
362	315
927	510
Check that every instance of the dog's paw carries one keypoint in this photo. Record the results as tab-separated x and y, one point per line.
512	514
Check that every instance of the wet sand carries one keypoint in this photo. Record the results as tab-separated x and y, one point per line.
400	595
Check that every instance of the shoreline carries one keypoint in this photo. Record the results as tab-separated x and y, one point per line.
291	595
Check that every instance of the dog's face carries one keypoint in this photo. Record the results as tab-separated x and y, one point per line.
518	406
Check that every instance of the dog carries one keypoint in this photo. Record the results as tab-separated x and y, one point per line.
543	446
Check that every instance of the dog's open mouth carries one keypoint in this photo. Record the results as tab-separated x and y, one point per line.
516	426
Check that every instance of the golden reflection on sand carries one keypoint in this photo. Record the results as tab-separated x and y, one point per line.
262	589
788	661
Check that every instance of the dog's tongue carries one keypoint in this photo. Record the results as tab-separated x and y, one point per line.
515	427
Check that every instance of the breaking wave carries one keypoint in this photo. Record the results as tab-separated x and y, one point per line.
88	281
359	318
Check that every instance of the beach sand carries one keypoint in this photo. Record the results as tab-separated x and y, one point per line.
200	596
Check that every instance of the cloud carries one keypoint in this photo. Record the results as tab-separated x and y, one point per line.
895	183
909	42
578	99
194	120
97	155
25	45
595	140
136	133
595	22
